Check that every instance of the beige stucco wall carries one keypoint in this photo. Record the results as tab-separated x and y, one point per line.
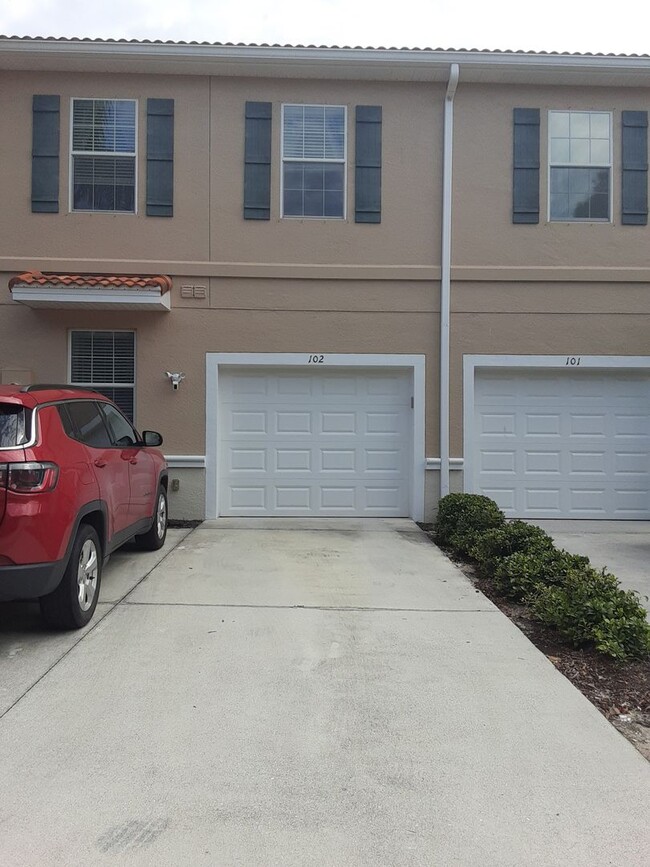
543	319
188	502
319	286
92	237
484	234
179	340
410	225
207	226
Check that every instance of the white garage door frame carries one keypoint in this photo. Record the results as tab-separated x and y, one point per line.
216	360
575	363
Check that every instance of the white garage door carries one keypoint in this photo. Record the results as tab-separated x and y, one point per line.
563	445
332	442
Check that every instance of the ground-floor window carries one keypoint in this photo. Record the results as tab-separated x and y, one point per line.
105	361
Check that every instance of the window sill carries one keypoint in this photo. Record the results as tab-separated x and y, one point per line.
580	222
312	219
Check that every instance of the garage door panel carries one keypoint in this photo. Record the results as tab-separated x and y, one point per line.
631	463
588	424
290	385
338	460
322	443
386	423
338	423
498	424
292	460
589	500
502	461
247	460
337	497
544	462
548	445
590	463
543	499
248	422
247	497
292	497
631	425
384	461
379	499
338	385
633	500
542	424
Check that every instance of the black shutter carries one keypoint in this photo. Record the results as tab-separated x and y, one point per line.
525	176
160	157
45	154
257	161
634	193
367	177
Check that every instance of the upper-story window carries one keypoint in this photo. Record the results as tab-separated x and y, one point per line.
580	165
103	155
313	161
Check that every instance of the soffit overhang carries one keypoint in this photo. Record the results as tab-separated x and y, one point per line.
312	62
96	291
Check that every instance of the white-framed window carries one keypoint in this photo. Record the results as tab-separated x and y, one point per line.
314	151
580	166
105	361
103	151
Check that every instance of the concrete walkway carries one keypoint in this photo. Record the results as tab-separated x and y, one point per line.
327	693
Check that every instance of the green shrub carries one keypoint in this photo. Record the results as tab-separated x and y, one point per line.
590	607
493	545
518	575
462	518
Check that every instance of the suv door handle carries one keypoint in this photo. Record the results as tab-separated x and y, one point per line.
133	461
100	463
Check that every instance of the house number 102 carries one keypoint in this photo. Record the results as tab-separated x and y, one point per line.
316	359
572	361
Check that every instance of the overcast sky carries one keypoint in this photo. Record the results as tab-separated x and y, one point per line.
546	25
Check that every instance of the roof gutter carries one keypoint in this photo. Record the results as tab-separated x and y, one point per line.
425	61
445	277
425	56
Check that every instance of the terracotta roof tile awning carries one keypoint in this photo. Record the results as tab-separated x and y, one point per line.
99	291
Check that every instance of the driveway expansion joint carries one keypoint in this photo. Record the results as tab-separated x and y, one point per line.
315	607
95	623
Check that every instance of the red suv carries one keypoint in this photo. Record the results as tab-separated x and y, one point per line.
76	482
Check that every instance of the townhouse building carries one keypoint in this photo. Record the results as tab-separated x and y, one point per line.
384	274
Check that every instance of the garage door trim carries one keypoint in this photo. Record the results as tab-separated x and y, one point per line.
215	360
575	363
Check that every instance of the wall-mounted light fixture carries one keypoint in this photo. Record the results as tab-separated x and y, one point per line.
176	379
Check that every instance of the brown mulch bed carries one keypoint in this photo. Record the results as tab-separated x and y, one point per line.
620	690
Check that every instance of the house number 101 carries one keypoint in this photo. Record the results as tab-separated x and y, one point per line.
316	359
572	361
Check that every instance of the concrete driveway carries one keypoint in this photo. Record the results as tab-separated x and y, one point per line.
324	693
622	547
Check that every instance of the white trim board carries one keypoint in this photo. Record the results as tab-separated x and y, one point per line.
185	461
215	360
574	363
118	299
198	461
454	463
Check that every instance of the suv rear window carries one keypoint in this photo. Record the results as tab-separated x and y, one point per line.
15	422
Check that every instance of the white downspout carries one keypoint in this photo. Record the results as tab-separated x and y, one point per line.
445	275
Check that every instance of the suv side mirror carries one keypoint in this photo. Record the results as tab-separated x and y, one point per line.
152	438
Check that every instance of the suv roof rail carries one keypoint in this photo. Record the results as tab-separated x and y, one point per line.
49	386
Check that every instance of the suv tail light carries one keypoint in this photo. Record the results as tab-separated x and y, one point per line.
29	478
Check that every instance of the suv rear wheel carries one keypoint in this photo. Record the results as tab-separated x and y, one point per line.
73	603
154	538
